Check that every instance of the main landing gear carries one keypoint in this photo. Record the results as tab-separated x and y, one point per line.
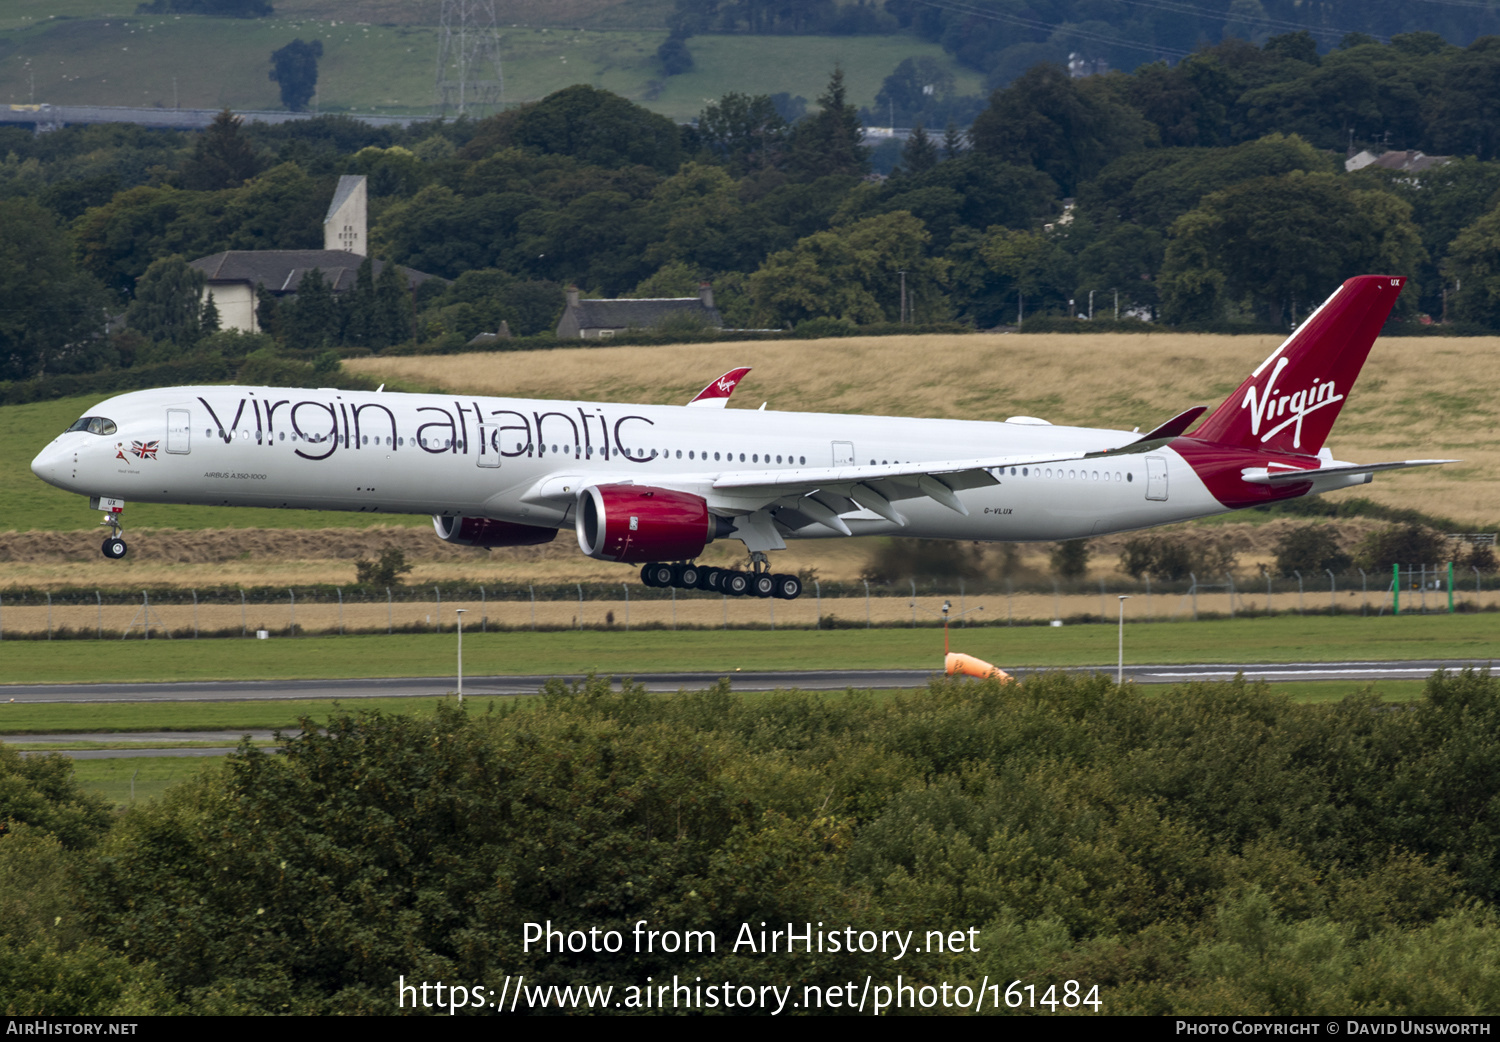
758	582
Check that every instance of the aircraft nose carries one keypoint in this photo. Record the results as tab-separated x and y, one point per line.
49	463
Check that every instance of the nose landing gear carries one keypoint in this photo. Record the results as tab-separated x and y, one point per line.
114	547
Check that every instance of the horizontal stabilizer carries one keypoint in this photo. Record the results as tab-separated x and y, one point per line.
1175	426
1265	476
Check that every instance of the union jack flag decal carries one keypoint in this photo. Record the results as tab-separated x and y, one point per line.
144	450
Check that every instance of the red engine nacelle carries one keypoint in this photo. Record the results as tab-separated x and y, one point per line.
634	524
489	533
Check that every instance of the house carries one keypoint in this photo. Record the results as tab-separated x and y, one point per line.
1409	162
235	276
605	318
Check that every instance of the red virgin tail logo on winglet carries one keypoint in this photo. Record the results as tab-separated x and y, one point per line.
718	392
1290	401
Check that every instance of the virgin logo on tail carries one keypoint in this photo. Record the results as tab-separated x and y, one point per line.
1271	405
726	385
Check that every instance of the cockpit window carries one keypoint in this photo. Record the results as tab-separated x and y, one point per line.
94	425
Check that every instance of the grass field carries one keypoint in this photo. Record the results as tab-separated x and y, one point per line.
1289	639
381	57
135	780
1416	398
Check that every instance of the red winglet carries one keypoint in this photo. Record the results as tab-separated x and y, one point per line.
716	395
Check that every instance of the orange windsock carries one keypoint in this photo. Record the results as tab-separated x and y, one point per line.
955	663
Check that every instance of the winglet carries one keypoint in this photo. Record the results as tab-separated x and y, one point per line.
716	395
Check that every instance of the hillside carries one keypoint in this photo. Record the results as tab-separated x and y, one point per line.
380	58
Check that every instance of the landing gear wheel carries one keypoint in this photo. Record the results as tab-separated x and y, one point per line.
709	579
647	578
690	576
658	575
736	584
114	548
763	585
788	587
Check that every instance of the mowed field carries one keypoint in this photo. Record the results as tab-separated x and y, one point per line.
1417	397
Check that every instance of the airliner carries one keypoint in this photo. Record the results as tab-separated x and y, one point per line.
654	485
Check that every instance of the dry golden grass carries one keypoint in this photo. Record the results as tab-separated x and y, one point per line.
1417	398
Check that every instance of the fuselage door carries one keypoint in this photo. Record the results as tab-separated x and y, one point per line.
179	426
489	445
1156	478
843	454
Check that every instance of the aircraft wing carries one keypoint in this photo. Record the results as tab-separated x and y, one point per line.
821	494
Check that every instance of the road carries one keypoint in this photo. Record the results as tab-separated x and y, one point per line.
814	680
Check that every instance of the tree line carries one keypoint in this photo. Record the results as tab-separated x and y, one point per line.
1208	194
1214	849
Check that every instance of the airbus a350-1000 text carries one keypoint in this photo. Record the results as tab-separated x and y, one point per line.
654	485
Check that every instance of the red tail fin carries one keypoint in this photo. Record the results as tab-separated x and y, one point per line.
1290	401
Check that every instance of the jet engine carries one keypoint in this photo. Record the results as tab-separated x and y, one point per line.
489	533
636	524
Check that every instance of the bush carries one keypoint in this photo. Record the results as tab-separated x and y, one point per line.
387	571
1312	548
1401	544
1169	559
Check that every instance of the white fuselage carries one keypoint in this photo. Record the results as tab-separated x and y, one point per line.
525	461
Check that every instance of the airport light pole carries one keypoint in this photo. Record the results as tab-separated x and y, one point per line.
460	613
1120	665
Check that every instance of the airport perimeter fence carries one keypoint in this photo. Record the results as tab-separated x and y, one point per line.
263	611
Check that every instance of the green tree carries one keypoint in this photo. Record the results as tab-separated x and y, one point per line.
222	157
1067	128
1473	266
1310	550
295	68
920	154
744	131
1283	244
359	308
917	88
1070	559
387	570
51	315
599	128
1411	544
392	322
853	273
674	55
311	320
828	143
169	304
